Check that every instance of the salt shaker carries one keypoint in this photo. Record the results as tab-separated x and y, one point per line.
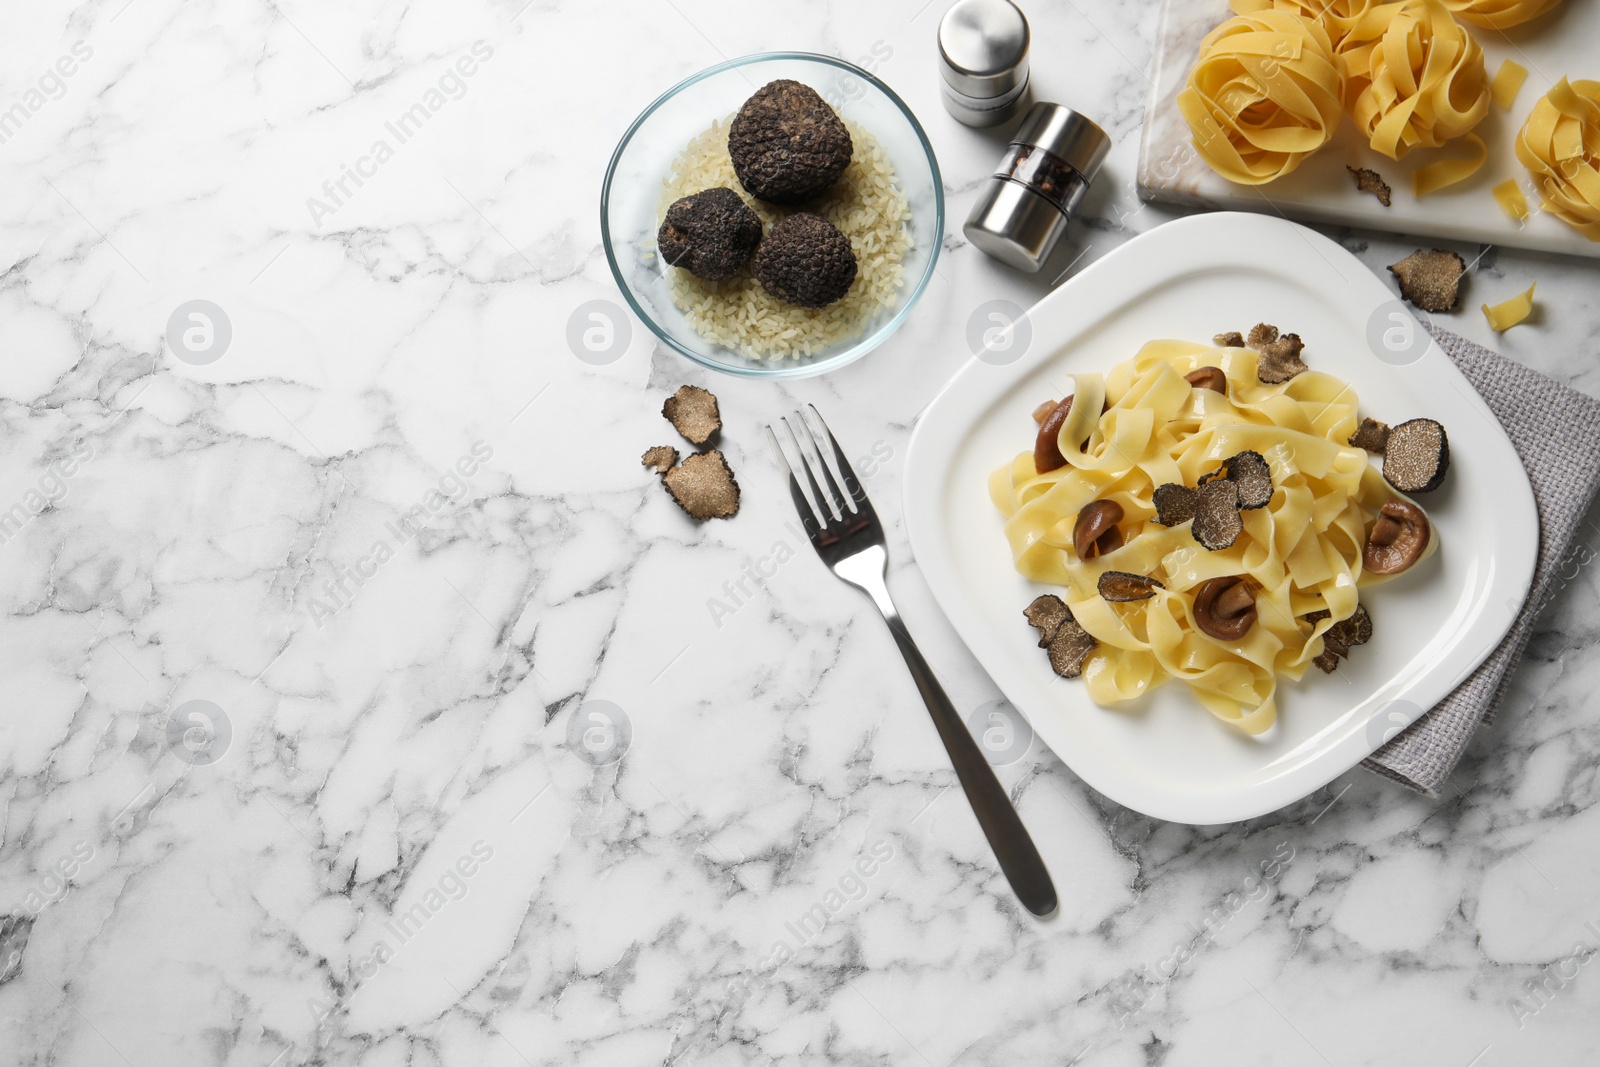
983	61
1026	205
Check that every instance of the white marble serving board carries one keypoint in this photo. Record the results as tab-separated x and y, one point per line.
1560	44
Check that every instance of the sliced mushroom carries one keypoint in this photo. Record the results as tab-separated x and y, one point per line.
1398	539
1211	378
1046	451
1225	608
1095	522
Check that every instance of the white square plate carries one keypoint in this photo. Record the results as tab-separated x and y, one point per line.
1167	756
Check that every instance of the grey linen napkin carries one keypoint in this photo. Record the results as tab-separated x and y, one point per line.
1556	431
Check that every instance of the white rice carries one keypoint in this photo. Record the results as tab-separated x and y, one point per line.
868	207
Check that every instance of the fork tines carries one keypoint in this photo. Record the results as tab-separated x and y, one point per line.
823	508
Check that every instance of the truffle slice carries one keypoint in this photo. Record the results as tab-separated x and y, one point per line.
693	412
710	234
1121	587
1262	334
703	485
1341	637
787	145
1370	181
1068	644
1249	471
1431	280
1280	359
1069	648
805	260
1046	614
1174	503
1371	435
1231	339
1217	523
1416	456
660	458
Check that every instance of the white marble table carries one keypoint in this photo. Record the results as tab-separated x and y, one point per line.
388	853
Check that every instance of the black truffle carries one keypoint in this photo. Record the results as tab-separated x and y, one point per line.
1370	181
1280	358
710	234
1341	637
660	459
1045	614
1068	644
1371	435
1217	524
1416	456
693	412
1174	503
1249	471
1121	587
805	260
787	144
1431	279
1231	339
704	486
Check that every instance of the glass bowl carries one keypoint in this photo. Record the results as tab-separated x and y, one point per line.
630	200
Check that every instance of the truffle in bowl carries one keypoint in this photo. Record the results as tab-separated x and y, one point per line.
886	203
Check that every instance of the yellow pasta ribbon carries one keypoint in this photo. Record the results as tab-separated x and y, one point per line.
1510	197
1344	20
1560	146
1422	83
1498	14
1507	83
1301	552
1264	94
1436	176
1508	313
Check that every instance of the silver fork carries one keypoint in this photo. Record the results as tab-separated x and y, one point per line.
847	535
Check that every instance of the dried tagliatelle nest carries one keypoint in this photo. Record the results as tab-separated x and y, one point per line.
1560	146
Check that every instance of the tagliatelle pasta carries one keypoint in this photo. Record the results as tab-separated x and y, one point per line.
1560	146
1498	14
1508	194
1347	22
1422	84
1507	83
1508	313
1264	94
1436	176
1302	552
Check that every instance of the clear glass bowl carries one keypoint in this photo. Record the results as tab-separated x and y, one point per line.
630	198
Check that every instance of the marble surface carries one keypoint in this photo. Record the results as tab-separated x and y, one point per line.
384	850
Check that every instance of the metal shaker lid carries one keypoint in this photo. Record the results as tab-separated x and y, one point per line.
983	48
1066	135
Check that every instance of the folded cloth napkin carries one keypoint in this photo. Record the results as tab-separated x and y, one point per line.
1556	431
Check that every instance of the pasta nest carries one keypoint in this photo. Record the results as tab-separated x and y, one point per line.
1265	93
1348	23
1498	14
1560	146
1418	85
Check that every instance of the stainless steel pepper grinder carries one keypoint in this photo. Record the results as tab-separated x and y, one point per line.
983	61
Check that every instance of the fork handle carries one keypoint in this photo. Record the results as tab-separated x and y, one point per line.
1019	858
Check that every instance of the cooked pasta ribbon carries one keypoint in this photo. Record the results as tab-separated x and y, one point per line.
1264	94
1421	84
1508	313
1302	552
1498	14
1560	146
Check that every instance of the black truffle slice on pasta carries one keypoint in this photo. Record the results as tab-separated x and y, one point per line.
1121	587
1279	360
1217	523
1046	614
1067	643
1371	435
1341	637
1416	456
1249	471
1174	503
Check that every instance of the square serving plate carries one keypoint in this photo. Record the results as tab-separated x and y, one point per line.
1165	755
